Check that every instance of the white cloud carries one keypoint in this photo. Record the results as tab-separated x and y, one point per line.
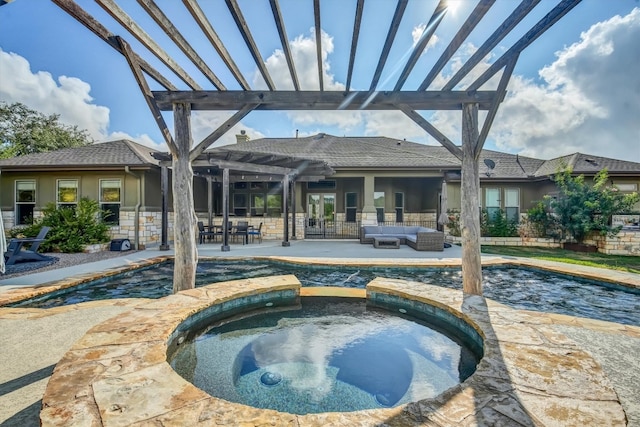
69	97
416	33
589	100
205	122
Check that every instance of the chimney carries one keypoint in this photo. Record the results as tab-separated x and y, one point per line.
243	137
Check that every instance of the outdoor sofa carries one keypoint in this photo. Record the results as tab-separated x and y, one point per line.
419	238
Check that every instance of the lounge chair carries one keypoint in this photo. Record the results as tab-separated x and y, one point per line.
16	248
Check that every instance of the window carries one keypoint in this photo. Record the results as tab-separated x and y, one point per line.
399	207
512	204
67	193
378	202
25	201
322	185
240	204
492	202
627	187
257	204
274	205
110	199
351	206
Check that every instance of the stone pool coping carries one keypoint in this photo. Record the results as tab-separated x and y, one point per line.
531	374
592	273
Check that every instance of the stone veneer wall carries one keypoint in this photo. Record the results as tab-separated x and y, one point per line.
149	226
624	243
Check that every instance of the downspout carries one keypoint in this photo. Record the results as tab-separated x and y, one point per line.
136	219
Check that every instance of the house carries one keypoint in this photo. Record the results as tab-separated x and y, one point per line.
339	183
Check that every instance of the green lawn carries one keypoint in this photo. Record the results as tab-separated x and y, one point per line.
613	262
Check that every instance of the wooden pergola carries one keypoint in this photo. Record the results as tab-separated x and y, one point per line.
183	153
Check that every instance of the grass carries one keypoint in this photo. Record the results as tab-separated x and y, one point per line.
626	263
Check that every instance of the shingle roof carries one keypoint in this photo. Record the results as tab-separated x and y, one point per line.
588	165
100	155
356	152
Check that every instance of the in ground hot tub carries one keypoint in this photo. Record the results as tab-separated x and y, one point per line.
330	355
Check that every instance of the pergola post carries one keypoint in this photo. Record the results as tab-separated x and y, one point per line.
293	210
285	210
225	210
164	189
186	252
470	212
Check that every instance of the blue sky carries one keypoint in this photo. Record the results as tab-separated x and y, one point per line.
576	88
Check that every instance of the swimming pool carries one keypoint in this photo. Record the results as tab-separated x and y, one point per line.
517	287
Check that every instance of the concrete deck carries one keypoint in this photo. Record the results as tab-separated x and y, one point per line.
51	333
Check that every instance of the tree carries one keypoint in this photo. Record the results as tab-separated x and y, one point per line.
25	131
582	209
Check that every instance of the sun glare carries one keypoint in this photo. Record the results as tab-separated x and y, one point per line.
453	6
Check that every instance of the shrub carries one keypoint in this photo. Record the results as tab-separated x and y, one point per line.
74	227
540	221
582	209
498	225
454	222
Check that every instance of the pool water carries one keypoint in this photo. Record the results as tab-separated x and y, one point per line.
330	355
516	287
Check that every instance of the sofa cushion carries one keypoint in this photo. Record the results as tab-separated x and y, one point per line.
371	229
392	229
411	229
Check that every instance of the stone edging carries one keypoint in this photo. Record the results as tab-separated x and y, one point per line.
117	373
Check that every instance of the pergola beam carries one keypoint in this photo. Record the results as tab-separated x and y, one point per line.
318	31
201	19
251	167
136	70
430	29
241	23
167	26
432	130
354	42
474	18
80	15
143	37
327	100
509	24
536	31
391	35
282	32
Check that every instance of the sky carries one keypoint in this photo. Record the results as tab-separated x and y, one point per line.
575	89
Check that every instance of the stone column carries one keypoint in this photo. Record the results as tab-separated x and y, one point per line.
369	215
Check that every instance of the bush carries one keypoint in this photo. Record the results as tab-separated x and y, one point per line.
73	227
498	225
540	221
582	209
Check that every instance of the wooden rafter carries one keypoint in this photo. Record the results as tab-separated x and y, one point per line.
516	16
201	19
430	29
354	41
391	35
251	167
432	130
146	92
536	31
221	130
241	23
318	28
282	32
474	18
502	89
80	15
143	37
167	26
327	100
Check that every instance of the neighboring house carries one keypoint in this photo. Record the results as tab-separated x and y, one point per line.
375	179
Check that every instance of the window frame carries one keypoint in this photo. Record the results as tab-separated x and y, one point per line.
116	215
59	203
18	216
